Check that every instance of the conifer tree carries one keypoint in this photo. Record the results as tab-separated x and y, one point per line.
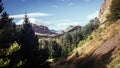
7	31
34	56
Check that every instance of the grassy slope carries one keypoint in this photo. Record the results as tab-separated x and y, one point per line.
105	45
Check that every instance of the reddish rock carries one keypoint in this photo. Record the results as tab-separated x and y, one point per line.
104	10
41	29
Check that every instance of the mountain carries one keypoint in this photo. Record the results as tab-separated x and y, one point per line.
45	32
38	26
41	29
72	28
69	29
53	31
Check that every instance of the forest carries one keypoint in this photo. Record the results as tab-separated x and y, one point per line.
21	48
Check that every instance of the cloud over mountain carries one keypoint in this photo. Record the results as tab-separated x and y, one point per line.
35	21
30	15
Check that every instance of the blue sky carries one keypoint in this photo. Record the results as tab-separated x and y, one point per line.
56	14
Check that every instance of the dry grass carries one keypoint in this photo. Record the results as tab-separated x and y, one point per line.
88	48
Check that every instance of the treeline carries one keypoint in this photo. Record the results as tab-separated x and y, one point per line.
19	47
63	45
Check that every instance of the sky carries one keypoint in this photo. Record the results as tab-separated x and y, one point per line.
56	14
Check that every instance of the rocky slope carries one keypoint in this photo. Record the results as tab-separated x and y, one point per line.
101	52
104	10
41	29
72	28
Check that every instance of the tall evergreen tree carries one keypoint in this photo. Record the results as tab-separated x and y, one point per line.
7	31
30	46
29	41
56	49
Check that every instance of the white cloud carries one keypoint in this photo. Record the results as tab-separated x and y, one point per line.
93	15
63	26
30	15
70	4
54	6
56	26
35	21
68	24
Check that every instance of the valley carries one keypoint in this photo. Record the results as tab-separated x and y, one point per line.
33	43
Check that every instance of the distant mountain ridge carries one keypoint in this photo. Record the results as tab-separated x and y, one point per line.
72	28
40	29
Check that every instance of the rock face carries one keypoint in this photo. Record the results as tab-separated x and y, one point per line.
41	29
104	10
69	29
72	28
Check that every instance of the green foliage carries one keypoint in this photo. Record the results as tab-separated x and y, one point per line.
65	51
8	46
56	50
64	44
7	31
14	47
10	54
53	47
88	29
114	11
4	62
117	66
81	43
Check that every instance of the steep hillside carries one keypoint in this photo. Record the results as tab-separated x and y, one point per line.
100	50
103	50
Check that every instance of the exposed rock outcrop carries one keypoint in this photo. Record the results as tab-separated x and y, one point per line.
72	28
104	10
41	29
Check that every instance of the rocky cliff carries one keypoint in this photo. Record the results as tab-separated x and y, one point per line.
41	29
104	10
